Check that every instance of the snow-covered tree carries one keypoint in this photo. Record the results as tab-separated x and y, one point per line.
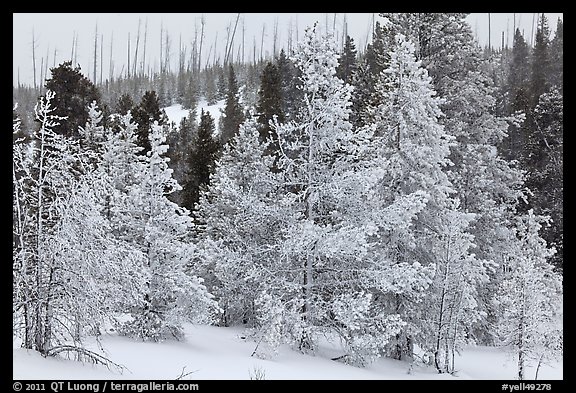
530	298
334	171
485	183
242	217
161	229
438	308
70	273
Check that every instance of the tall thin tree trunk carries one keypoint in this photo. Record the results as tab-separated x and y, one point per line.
262	42
532	33
128	68
101	57
243	32
95	54
76	51
72	52
275	40
136	50
34	57
215	45
167	53
232	40
41	73
202	23
144	47
111	66
45	67
489	34
254	51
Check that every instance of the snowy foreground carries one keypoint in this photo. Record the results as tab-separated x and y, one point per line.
221	353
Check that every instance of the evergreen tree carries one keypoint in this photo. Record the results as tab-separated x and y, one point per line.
556	55
210	91
417	149
485	183
332	243
270	105
71	275
545	172
290	85
124	104
518	99
347	62
181	145
365	79
241	223
146	113
540	61
73	93
233	114
201	161
160	230
530	299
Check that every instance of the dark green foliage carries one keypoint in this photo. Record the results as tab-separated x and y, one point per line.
518	96
181	146
544	164
124	104
368	71
347	62
233	114
201	161
222	86
144	115
540	61
74	92
534	87
556	53
290	82
270	104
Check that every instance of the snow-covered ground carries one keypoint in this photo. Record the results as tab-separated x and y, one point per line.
221	353
175	112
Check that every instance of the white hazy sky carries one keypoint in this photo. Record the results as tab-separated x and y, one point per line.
54	33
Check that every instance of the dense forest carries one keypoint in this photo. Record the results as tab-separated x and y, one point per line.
408	195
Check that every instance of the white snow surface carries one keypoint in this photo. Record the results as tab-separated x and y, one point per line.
217	353
175	112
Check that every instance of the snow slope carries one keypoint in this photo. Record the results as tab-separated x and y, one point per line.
221	353
175	112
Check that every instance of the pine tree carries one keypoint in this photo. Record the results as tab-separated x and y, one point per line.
530	298
71	274
540	61
201	161
417	148
545	173
486	184
340	213
146	113
517	93
233	114
270	104
347	62
160	229
124	104
290	85
181	145
556	55
365	79
73	93
241	220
